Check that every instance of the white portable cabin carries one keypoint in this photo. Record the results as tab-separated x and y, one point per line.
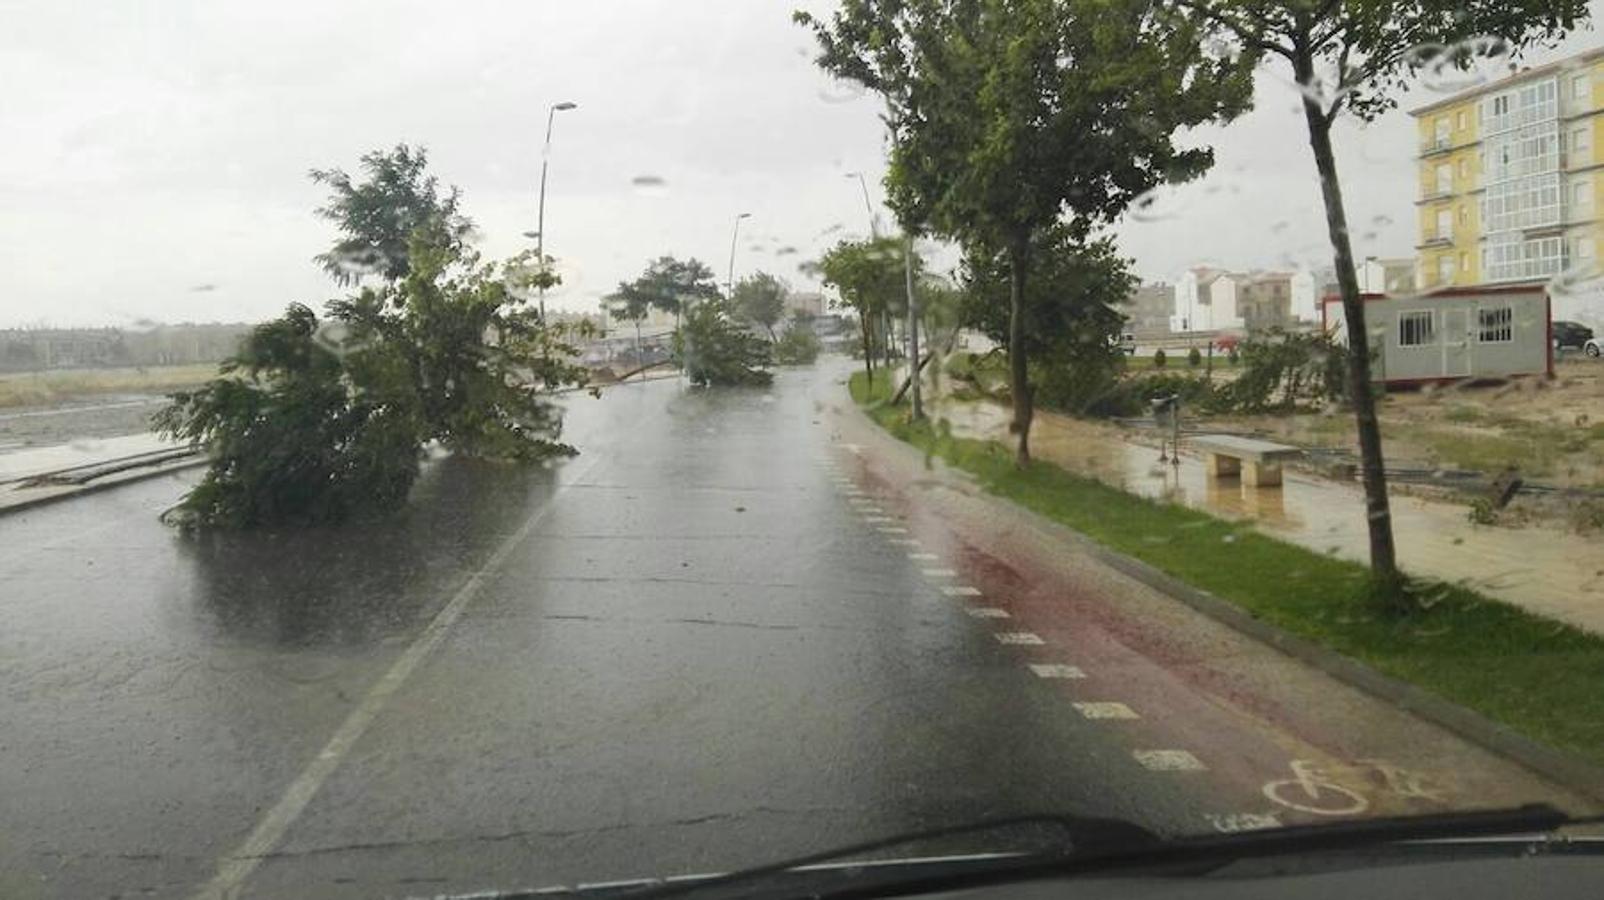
1454	333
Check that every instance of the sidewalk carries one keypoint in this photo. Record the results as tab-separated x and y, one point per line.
1549	572
38	475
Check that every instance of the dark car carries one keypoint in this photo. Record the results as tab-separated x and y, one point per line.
1571	335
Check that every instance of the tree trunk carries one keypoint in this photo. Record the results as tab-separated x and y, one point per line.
913	330
1018	373
1383	552
868	346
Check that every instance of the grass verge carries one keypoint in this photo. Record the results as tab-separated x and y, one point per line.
1537	676
42	388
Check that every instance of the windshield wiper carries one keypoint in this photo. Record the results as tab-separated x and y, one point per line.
1110	844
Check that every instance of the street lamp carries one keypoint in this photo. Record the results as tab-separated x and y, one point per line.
733	235
867	206
540	226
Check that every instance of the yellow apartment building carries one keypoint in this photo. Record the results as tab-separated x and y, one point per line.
1512	177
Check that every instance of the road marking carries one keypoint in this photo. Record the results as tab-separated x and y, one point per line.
1017	637
854	492
938	573
960	590
924	557
1312	789
1056	670
987	612
904	542
1106	711
237	866
1169	760
1231	823
892	529
879	520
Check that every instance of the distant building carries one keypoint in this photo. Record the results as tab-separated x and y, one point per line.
1264	300
1377	275
33	349
806	303
1205	300
1147	310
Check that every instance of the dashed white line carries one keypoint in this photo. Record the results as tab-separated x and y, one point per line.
923	557
987	612
892	529
1056	670
960	590
1018	637
938	573
1106	711
904	542
1169	760
1234	822
879	520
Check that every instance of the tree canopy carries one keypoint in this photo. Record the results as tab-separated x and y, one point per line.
668	284
760	299
379	217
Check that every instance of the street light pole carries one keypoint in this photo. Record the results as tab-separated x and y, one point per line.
734	234
540	215
868	207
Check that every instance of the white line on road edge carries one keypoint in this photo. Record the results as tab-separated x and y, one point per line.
924	557
903	542
1056	670
1106	711
892	529
938	573
1231	823
1018	637
962	590
1169	760
238	866
988	612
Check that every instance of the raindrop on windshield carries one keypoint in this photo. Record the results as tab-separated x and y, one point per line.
1162	202
1456	67
839	91
650	185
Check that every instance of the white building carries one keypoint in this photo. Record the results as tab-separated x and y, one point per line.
1205	300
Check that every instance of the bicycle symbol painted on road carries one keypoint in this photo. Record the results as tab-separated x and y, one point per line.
1320	790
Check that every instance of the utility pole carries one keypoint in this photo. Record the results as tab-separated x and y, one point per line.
540	215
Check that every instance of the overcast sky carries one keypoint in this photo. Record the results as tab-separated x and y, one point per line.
153	155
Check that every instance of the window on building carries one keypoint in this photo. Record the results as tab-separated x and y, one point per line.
1464	170
1582	195
1445	268
1464	262
1583	249
1445	179
1581	89
1445	225
1415	329
1495	324
1441	127
1460	120
1581	146
1464	214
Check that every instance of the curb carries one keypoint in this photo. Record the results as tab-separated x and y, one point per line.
1562	767
121	479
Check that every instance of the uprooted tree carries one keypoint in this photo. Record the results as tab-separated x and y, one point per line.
313	421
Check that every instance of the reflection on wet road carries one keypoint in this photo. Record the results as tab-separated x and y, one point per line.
716	638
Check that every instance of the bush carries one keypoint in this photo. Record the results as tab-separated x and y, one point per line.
799	346
1194	358
715	351
1231	356
1159	358
1282	369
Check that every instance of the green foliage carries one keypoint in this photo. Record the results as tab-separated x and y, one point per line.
760	299
798	346
716	351
379	218
668	284
1482	512
315	421
1194	357
1232	356
1283	369
1160	358
296	433
1071	319
869	278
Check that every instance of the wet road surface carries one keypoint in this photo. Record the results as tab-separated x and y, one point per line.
734	629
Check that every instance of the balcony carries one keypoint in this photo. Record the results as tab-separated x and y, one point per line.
1435	193
1435	145
1436	240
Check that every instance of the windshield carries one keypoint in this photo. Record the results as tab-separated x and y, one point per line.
467	447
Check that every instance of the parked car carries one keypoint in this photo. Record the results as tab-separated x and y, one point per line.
1573	336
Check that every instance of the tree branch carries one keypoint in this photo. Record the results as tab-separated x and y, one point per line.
1248	35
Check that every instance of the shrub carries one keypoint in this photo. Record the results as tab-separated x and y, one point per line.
799	346
1194	358
1159	358
715	351
1282	369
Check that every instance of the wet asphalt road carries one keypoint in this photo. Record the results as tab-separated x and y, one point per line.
688	649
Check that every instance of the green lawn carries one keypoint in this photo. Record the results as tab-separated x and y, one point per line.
1540	677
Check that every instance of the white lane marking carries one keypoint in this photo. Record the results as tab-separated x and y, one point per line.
1169	760
961	590
237	866
1231	823
938	573
904	542
892	529
853	492
879	520
1018	637
1056	670
987	612
1106	711
924	557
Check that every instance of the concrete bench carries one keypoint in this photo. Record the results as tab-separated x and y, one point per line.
1257	462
